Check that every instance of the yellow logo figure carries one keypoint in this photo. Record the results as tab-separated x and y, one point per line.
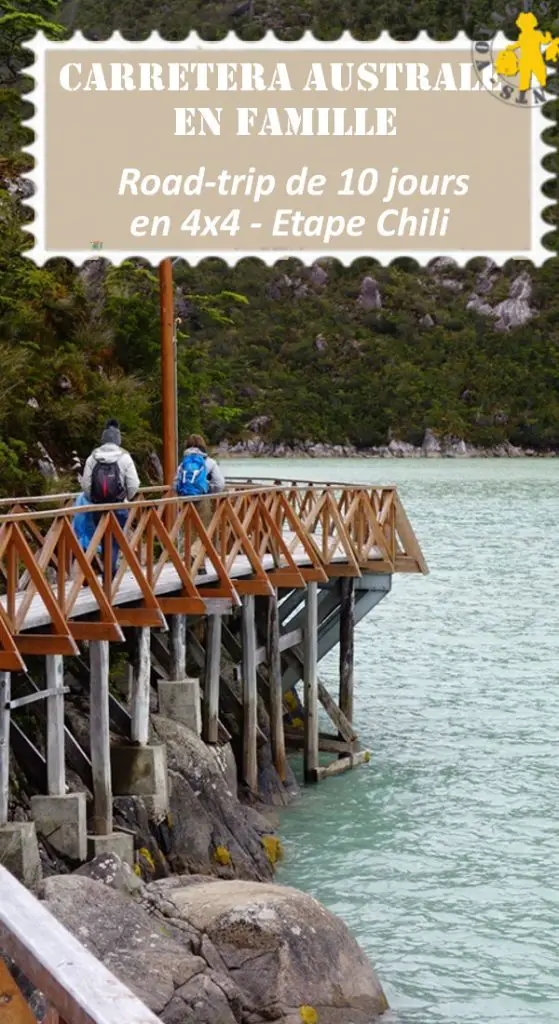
530	60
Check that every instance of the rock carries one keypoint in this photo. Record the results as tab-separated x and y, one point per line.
211	952
369	296
33	403
401	449
318	275
206	816
285	951
487	277
516	310
427	321
454	447
320	343
155	469
451	284
442	263
112	871
45	464
431	444
477	305
259	424
124	936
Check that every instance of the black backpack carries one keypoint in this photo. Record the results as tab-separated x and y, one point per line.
107	486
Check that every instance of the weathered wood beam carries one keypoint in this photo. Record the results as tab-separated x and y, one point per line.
250	709
211	680
343	764
56	759
100	738
347	622
141	687
276	689
177	646
310	679
5	692
327	744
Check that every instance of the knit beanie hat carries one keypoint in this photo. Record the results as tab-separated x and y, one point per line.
111	433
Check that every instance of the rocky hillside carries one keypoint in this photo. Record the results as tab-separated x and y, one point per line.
363	356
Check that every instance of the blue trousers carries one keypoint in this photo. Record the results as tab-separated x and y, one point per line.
122	516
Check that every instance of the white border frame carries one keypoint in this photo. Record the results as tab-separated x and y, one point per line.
423	42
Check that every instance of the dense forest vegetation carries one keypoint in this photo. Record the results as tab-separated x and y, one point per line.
306	350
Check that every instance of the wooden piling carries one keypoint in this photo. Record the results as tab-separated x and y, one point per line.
347	622
141	683
273	658
177	644
56	761
310	678
5	694
100	738
250	707
211	680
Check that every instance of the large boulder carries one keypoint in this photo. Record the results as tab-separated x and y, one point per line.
200	951
284	950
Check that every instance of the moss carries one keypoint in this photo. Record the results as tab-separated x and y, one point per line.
145	855
273	848
222	856
291	700
308	1014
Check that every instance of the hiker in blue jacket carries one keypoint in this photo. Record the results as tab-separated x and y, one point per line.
198	474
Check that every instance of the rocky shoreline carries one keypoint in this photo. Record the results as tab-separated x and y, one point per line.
432	447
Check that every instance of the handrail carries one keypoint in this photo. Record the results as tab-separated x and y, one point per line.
77	985
167	499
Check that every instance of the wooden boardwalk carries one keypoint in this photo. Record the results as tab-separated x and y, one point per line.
280	572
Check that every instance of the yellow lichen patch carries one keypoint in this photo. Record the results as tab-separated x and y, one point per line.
138	870
273	848
169	820
297	722
291	700
367	757
146	856
308	1014
223	856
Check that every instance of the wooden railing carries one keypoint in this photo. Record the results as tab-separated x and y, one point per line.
76	986
178	556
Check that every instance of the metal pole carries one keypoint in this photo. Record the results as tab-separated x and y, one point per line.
168	375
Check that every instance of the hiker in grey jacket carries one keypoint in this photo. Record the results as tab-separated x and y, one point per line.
110	451
110	477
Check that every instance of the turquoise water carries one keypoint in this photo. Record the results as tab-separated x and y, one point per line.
442	854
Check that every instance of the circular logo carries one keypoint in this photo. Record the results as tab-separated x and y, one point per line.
520	73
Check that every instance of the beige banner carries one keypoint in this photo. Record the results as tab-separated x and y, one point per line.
440	170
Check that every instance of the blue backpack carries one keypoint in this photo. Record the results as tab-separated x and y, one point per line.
192	477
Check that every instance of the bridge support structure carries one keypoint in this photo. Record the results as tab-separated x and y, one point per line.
293	570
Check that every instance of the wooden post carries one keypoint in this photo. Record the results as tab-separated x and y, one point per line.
211	679
56	764
168	375
141	681
250	709
5	693
177	643
310	677
347	621
276	688
99	737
